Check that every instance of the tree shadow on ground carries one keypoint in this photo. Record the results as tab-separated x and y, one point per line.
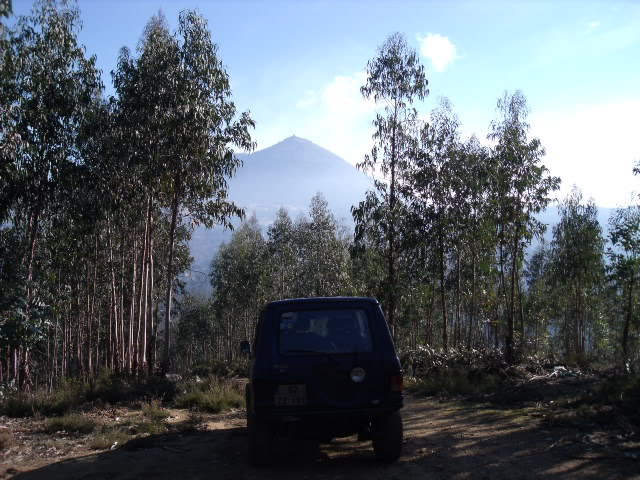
445	440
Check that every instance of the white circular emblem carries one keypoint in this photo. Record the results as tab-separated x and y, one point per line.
358	374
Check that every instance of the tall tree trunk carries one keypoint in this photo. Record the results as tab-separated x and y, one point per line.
113	315
629	316
392	227
443	302
472	316
132	308
510	323
166	362
142	297
458	326
149	324
521	314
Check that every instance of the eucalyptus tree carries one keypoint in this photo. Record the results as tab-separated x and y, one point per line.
521	187
432	184
577	269
8	138
475	238
540	299
624	260
55	85
195	332
282	267
324	255
144	108
198	128
52	85
237	277
395	79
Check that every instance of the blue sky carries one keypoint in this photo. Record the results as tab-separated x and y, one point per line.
298	66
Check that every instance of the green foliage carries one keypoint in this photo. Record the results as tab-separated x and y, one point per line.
187	101
395	79
624	260
520	188
75	423
577	270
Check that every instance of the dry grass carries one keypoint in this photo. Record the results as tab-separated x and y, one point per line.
453	383
75	423
111	436
6	439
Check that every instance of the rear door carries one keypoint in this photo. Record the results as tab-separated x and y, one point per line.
328	356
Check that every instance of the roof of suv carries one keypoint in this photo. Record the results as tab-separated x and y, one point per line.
322	300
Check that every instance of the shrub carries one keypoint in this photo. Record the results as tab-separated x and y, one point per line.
70	423
454	383
223	369
154	410
623	394
211	396
6	439
157	386
18	405
110	387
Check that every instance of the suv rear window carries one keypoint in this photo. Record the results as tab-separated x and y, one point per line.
325	331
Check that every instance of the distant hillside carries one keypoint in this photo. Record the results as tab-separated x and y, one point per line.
550	218
287	174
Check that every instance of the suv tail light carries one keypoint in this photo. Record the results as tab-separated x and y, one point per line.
396	383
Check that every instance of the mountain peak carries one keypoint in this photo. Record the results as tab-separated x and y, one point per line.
294	140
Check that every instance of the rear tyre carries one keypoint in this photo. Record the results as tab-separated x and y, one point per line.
259	442
259	437
387	438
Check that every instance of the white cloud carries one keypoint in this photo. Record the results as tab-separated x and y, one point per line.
310	100
593	25
594	147
438	49
335	116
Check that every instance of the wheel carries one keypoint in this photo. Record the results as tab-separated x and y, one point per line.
387	438
259	441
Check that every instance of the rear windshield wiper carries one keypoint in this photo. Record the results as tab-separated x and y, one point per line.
314	352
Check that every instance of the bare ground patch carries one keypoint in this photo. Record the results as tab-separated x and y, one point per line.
444	439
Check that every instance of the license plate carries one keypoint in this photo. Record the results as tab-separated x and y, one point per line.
291	395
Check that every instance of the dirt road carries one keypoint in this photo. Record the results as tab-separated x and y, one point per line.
444	439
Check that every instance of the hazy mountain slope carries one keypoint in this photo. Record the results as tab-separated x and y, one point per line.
290	172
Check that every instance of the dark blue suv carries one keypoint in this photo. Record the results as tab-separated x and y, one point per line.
324	368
